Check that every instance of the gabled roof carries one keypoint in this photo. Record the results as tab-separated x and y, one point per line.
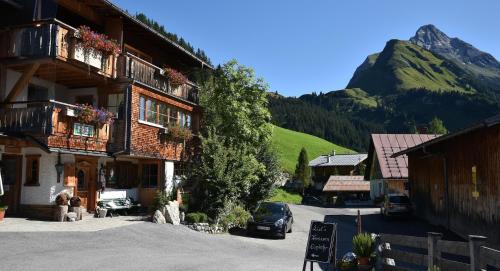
489	122
346	183
338	160
385	145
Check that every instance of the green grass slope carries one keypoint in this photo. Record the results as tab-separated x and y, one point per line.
404	66
288	143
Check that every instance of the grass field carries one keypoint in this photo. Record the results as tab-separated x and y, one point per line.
289	143
281	195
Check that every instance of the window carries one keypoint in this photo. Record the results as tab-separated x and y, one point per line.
163	115
151	111
173	116
122	175
185	119
142	108
32	170
115	104
80	176
149	177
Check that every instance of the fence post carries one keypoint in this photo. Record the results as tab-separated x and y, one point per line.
433	253
475	243
359	222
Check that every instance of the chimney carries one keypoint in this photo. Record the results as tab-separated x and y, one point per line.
328	159
334	152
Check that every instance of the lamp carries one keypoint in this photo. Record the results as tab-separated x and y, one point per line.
59	167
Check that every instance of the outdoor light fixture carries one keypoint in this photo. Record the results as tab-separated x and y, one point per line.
59	167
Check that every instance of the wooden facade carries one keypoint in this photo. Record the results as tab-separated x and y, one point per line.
455	182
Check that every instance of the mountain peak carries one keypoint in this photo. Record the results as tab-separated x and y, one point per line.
430	37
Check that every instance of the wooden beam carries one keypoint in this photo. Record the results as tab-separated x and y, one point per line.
22	82
82	9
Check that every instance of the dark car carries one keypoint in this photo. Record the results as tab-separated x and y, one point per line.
311	200
271	218
396	204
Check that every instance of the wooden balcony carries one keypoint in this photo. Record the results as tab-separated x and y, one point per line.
55	125
55	41
152	76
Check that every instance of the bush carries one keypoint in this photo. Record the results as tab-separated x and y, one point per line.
161	200
235	217
362	245
75	201
197	217
184	207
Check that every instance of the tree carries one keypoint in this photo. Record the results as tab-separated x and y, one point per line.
436	126
236	164
302	170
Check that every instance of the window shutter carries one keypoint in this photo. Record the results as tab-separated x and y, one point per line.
69	175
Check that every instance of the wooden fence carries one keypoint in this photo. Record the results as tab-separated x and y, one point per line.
400	252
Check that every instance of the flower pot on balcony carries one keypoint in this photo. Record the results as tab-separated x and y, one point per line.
89	56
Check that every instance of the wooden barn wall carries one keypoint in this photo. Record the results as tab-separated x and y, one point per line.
466	214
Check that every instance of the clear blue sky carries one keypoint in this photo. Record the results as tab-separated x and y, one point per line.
300	46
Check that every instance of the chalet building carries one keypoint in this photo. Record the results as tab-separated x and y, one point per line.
346	188
53	61
385	173
454	180
324	166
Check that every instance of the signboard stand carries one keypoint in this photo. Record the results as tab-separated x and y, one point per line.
321	245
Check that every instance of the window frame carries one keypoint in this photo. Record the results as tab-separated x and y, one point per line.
164	114
148	183
32	174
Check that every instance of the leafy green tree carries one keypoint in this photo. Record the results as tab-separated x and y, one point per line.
302	170
236	164
436	126
235	103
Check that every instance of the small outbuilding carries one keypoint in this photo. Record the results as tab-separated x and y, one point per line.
324	166
454	180
346	188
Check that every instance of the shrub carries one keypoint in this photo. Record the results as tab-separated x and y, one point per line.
62	199
362	245
197	217
184	207
3	207
161	200
75	202
237	216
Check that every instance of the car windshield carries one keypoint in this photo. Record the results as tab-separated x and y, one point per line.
269	208
399	199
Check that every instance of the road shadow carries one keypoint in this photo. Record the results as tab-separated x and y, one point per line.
243	233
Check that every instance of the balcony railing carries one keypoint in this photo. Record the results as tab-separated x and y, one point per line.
55	124
153	76
53	39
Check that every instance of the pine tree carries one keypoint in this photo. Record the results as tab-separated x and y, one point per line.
436	126
302	170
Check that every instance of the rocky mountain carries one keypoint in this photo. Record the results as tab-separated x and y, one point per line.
481	64
400	89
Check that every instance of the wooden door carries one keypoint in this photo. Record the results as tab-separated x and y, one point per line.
86	176
11	176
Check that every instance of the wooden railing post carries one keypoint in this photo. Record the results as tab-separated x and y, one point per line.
433	253
475	243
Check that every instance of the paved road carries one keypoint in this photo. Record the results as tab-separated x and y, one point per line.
147	246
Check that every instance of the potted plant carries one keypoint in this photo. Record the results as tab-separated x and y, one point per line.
179	133
176	77
94	48
3	208
363	246
62	206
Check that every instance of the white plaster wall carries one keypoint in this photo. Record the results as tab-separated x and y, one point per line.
169	176
13	76
49	188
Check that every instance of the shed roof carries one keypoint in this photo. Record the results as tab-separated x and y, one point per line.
492	121
385	145
346	183
338	160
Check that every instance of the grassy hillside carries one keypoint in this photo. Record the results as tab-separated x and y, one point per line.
289	143
404	66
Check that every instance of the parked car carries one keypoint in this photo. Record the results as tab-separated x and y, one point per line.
395	204
271	218
311	200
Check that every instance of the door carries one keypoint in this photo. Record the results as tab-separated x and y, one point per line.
11	176
86	176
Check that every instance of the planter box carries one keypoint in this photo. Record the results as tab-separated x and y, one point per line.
90	56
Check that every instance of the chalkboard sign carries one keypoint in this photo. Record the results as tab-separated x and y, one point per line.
321	243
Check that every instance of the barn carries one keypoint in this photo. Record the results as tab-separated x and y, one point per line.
454	180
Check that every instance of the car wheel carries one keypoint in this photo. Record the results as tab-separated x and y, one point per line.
290	230
283	236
